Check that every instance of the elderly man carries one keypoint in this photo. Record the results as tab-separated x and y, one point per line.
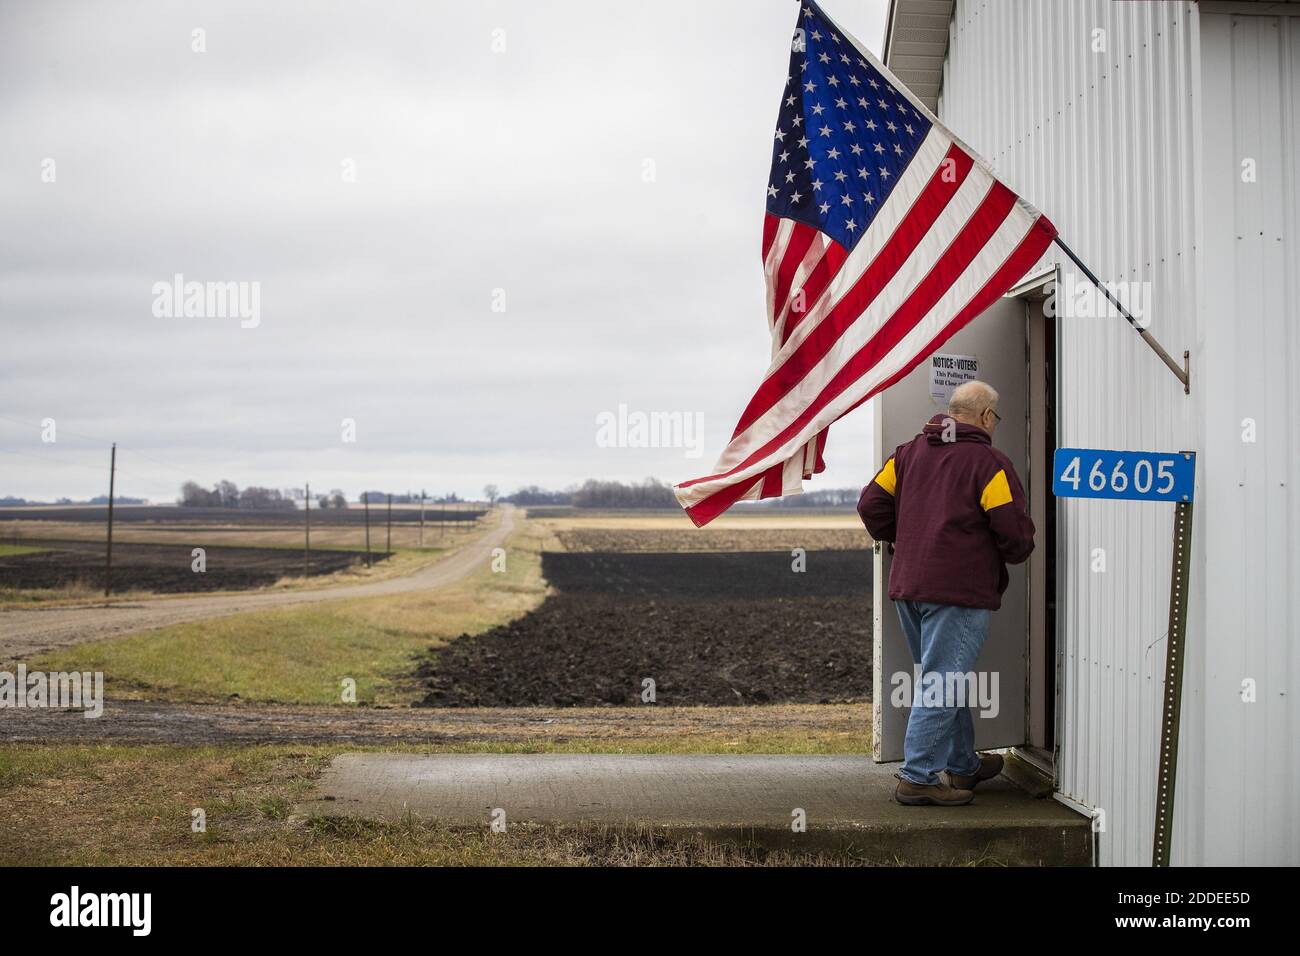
955	511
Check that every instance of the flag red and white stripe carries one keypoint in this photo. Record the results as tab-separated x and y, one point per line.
946	242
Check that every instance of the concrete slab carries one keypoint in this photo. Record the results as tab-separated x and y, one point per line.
847	802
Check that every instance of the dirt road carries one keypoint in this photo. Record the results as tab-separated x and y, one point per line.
24	633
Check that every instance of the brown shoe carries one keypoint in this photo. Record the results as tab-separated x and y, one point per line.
990	767
934	795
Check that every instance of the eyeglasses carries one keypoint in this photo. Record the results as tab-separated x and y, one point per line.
995	413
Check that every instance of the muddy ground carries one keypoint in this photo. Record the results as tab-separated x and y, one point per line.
707	628
148	722
164	568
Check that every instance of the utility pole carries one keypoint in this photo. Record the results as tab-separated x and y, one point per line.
108	567
388	544
306	550
421	517
365	497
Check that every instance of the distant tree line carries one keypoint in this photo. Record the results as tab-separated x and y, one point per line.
533	495
408	498
652	493
226	494
592	493
825	498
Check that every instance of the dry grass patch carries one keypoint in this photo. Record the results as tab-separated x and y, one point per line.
302	654
79	804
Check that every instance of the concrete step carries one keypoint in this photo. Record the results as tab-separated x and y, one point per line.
846	801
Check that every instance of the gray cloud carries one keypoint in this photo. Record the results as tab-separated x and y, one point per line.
475	171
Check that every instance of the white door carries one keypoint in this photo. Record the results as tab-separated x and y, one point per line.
997	340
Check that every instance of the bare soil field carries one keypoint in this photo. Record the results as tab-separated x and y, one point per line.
708	629
164	569
724	538
736	575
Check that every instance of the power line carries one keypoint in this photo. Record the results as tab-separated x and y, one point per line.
188	472
50	460
47	459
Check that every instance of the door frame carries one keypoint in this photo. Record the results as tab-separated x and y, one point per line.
888	719
1041	749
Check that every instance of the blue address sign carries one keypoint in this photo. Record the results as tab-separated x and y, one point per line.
1128	475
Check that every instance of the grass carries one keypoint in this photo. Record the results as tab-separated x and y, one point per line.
96	805
9	550
302	655
70	594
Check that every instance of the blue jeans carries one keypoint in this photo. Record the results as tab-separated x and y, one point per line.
944	640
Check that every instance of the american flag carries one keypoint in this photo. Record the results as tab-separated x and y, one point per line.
884	235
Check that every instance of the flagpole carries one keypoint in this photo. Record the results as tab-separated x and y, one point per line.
1185	372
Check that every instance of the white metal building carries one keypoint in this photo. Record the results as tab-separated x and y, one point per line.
1162	140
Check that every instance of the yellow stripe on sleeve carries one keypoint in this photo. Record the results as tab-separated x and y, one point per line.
887	479
996	492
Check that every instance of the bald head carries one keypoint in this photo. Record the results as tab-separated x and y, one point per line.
975	403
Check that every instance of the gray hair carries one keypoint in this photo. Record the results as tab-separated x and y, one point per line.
971	398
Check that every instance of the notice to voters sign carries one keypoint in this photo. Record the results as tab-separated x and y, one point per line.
949	371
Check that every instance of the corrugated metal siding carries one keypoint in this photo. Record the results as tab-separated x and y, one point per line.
1104	143
1109	145
1252	243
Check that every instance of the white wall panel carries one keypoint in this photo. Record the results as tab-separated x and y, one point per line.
1252	521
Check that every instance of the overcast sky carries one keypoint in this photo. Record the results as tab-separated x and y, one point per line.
602	177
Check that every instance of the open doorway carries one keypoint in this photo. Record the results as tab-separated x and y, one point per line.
992	347
1013	345
1041	440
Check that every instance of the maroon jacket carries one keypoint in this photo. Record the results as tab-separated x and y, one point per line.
956	513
